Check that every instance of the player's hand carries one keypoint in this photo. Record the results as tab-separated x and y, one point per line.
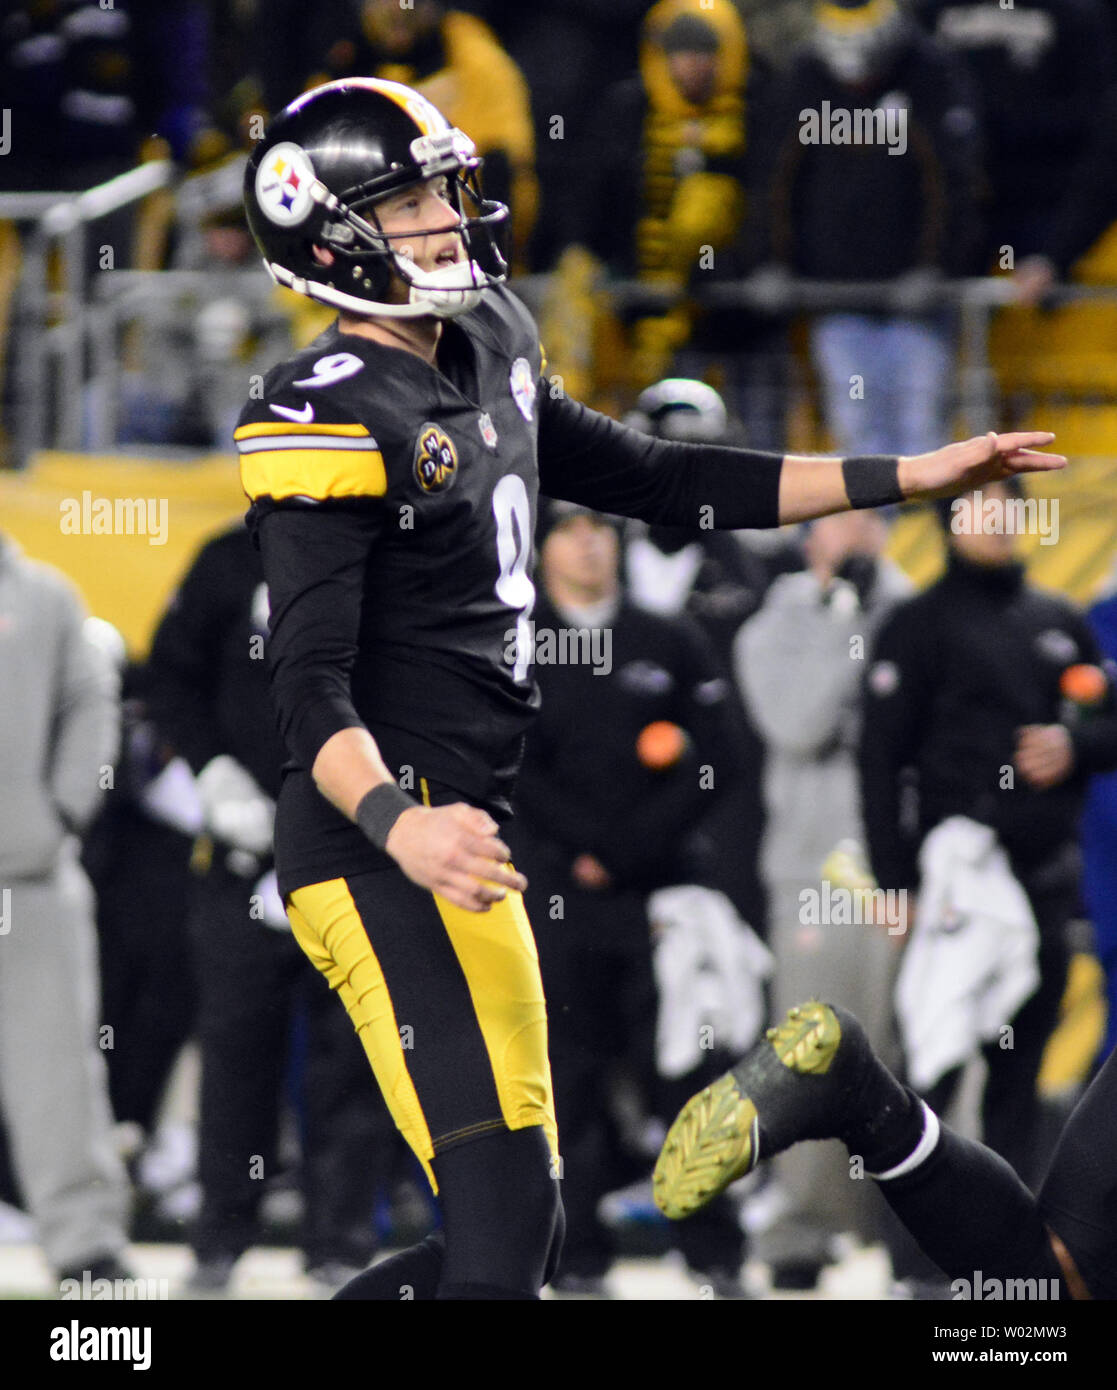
1044	754
1035	276
987	458
590	873
454	851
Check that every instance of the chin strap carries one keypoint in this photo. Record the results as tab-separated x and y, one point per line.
429	295
441	292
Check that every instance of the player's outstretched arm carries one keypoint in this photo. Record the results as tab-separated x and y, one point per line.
811	487
587	458
452	850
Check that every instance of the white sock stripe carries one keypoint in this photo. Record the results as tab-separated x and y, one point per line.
922	1150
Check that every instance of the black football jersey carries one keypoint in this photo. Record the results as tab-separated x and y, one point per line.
394	504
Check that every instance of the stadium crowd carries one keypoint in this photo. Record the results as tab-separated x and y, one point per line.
750	726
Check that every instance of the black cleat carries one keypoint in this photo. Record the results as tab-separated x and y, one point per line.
797	1083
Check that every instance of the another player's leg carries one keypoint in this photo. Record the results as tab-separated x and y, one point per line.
815	1077
1078	1199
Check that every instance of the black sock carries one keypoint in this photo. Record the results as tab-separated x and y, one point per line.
885	1120
501	1210
413	1273
972	1215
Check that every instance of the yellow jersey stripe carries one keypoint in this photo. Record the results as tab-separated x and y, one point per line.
268	427
316	473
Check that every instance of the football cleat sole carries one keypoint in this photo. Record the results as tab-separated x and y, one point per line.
715	1138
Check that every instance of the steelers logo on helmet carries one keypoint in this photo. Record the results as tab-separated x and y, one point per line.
436	459
283	185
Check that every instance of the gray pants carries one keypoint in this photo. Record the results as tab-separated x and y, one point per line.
53	1079
853	965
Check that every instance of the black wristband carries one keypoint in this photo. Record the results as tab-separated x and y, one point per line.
379	809
872	480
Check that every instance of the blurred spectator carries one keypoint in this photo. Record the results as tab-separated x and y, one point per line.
569	51
85	86
799	663
454	59
87	83
209	698
1087	208
874	177
1040	69
665	171
717	582
137	855
612	804
966	714
1099	841
59	726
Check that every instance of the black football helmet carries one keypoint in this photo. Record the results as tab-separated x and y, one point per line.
324	163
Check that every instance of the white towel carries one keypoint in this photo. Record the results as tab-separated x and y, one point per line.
710	967
659	582
971	961
172	798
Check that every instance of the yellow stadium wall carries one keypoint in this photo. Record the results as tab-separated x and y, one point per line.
128	580
124	578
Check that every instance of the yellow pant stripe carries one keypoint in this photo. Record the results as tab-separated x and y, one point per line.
510	1020
339	946
496	950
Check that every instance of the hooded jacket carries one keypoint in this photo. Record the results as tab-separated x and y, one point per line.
667	175
840	209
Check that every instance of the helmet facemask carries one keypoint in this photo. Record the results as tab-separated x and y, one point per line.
368	256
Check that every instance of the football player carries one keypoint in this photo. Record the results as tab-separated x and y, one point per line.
814	1076
393	469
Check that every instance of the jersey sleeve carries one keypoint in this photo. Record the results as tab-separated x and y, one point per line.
315	560
315	475
587	458
329	456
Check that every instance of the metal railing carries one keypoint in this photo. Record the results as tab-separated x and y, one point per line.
50	338
128	296
66	340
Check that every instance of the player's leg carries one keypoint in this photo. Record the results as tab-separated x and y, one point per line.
815	1077
449	1007
1078	1199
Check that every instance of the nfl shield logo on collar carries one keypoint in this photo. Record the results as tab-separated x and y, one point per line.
488	430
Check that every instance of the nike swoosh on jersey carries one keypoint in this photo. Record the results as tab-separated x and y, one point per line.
301	417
